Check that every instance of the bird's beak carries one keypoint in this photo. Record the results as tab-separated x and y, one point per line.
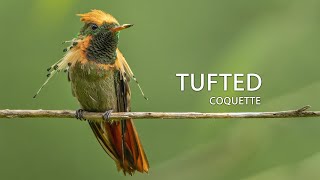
121	27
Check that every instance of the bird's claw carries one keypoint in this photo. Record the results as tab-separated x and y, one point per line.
79	114
106	116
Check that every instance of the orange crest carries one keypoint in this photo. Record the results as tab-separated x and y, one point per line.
98	17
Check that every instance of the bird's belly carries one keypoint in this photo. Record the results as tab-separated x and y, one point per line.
94	87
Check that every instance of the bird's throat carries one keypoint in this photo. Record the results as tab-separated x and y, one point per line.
102	48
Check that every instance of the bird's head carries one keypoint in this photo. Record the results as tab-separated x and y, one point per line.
98	21
102	33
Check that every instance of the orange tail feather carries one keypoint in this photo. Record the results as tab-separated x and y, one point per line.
121	141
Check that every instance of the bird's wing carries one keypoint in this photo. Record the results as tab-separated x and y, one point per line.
133	153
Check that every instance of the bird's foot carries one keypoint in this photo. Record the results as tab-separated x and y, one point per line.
79	114
106	116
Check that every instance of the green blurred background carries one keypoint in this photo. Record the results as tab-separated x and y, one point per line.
277	39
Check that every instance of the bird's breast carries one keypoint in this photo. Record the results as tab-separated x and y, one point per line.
94	86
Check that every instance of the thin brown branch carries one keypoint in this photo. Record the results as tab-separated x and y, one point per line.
301	112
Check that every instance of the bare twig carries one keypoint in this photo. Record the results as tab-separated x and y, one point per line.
302	112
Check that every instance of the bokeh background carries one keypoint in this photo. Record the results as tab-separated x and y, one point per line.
277	39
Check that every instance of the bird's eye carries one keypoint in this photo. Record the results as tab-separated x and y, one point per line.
94	26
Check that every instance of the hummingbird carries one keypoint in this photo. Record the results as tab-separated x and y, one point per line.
99	76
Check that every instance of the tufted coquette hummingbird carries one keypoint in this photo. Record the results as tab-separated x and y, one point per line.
99	76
